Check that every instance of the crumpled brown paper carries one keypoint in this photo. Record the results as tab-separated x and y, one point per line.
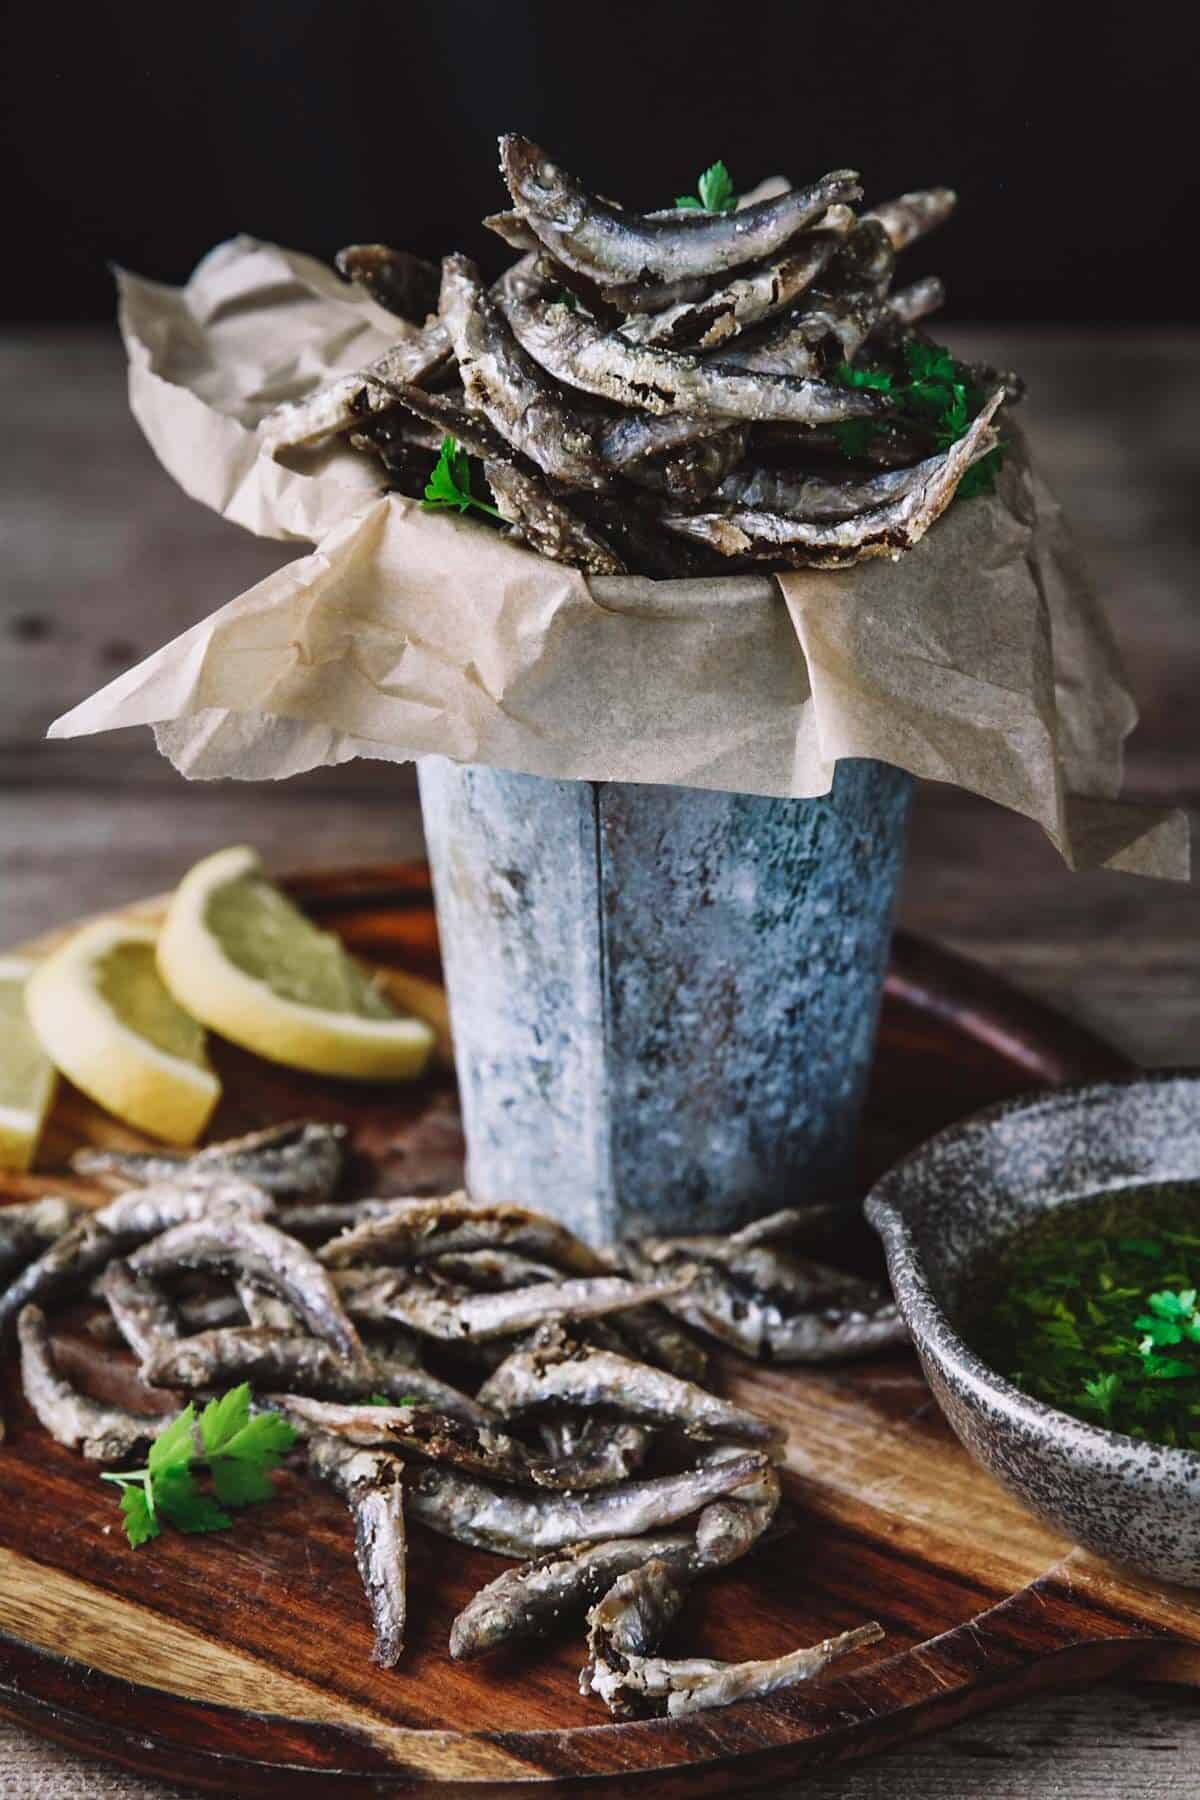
980	658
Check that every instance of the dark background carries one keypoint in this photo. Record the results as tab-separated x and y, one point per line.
144	134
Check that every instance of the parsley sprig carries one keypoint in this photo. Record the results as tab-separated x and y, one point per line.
450	482
1101	1316
235	1450
933	393
714	192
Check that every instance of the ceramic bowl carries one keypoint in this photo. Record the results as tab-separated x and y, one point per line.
957	1198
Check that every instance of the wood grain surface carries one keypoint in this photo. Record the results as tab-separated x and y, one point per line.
105	559
243	1664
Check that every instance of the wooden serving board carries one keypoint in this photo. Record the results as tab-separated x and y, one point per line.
242	1662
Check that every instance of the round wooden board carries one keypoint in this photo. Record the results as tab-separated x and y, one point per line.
242	1662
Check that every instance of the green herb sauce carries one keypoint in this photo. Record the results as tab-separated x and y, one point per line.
1096	1310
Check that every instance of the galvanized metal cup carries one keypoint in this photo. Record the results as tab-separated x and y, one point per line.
663	999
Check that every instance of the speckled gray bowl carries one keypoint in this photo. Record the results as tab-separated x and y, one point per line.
958	1197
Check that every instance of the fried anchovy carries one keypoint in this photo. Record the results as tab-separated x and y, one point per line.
145	1317
495	1271
532	1599
512	228
254	1353
765	1303
787	1225
911	216
581	353
301	1160
518	1524
321	1221
631	438
661	296
25	1230
650	1334
406	1382
578	1375
103	1433
729	1528
118	1228
439	1310
479	1449
506	384
141	1212
205	1312
593	1452
449	417
419	352
264	1309
254	1249
548	525
630	523
691	475
678	1686
811	497
797	344
413	1230
625	1627
885	530
918	300
603	241
370	1482
406	285
755	294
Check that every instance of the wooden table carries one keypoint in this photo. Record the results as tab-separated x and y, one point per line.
105	559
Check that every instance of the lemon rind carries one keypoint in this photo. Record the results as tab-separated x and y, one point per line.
166	1096
248	1012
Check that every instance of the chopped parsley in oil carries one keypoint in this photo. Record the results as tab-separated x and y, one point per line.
1096	1310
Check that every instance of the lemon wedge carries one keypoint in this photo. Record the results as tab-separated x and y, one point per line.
26	1072
104	1017
239	956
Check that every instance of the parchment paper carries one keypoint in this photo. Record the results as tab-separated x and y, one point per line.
979	658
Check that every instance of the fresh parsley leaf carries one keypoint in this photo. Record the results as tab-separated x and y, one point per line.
1101	1393
934	394
714	192
1139	1246
450	482
140	1523
222	1419
264	1439
174	1446
1170	1305
1168	1368
849	376
1158	1331
238	1483
184	1504
234	1448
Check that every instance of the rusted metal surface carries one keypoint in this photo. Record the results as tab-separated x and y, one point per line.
663	999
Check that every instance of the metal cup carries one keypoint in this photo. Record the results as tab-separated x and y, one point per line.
663	999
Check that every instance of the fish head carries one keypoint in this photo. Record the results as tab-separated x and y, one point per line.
538	185
460	292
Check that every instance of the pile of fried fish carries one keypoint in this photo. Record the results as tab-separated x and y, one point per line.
665	393
474	1367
